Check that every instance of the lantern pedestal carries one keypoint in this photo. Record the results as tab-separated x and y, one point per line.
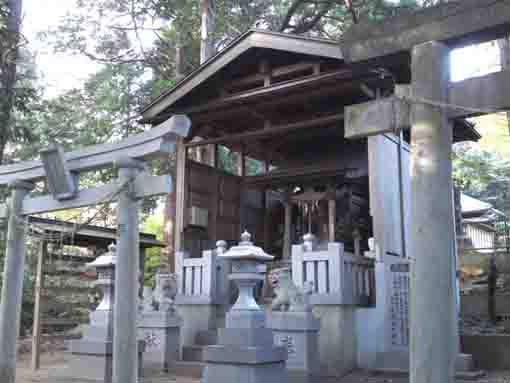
92	355
245	350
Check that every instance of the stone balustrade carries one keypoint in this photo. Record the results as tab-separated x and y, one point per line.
338	277
202	280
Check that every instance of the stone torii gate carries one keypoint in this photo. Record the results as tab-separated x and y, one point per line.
428	107
61	173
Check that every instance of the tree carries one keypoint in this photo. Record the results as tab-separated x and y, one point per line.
153	225
482	174
14	92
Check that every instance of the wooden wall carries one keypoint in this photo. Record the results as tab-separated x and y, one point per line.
230	208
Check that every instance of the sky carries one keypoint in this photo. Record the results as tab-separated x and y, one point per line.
61	72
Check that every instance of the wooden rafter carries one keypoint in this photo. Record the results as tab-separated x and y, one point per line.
278	89
276	73
274	130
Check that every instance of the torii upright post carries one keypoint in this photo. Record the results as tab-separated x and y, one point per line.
12	290
433	326
125	344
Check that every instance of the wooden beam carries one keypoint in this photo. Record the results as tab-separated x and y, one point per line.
457	23
154	143
144	186
261	107
279	88
274	130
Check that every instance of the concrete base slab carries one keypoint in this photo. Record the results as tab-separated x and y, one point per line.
242	373
460	375
187	369
399	360
91	362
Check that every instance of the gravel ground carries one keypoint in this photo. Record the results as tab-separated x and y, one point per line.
58	359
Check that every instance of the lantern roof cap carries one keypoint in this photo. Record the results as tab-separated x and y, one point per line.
107	259
246	250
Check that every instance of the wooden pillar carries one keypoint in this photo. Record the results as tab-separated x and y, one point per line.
141	273
125	340
241	163
12	288
266	220
433	331
356	236
331	214
180	192
287	204
39	285
213	155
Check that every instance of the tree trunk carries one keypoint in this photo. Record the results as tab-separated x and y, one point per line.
179	63
8	72
207	30
492	286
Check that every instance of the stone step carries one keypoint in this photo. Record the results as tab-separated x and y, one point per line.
192	353
459	375
399	360
206	338
187	369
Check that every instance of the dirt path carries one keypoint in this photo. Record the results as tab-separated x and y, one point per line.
58	359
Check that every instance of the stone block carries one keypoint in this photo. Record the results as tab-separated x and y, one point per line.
244	355
298	332
196	319
161	334
245	337
337	339
239	373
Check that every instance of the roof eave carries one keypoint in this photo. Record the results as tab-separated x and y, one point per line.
253	38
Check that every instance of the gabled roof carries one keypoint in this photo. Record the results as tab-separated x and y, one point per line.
470	205
254	38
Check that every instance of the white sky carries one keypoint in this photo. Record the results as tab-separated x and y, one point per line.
63	71
59	72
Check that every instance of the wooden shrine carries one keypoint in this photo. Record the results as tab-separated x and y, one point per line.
277	101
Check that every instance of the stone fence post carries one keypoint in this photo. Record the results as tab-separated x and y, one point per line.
203	293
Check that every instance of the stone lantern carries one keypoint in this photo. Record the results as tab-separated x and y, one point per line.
105	268
245	349
92	355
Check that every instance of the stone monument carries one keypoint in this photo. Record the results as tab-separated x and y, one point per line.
160	329
91	356
295	327
245	351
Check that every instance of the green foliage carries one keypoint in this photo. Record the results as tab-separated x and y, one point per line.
16	77
153	225
483	174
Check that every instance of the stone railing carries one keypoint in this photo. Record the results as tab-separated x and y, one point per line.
202	280
358	280
338	277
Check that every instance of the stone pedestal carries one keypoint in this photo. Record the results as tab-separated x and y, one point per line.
299	333
245	350
92	355
160	332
